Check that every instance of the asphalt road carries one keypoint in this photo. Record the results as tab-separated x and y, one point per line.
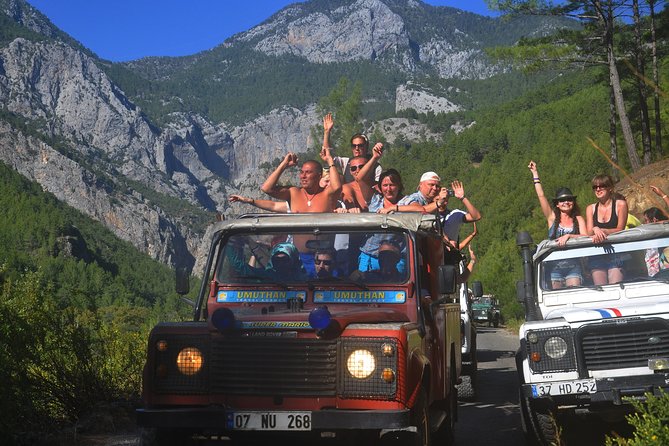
494	418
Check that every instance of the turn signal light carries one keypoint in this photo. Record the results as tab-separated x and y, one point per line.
535	356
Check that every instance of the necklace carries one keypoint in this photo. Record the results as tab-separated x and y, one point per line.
308	197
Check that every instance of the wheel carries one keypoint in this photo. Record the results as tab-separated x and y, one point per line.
539	424
445	434
467	388
495	321
420	417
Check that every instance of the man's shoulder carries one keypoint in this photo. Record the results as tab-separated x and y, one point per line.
415	197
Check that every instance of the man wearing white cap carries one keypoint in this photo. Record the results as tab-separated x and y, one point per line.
428	189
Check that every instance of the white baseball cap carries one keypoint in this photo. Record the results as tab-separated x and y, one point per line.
430	176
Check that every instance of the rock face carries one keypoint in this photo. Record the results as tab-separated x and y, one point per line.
410	97
89	144
372	30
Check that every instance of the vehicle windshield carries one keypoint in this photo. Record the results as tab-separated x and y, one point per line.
609	263
356	259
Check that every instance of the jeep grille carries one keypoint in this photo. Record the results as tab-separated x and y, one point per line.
273	366
613	345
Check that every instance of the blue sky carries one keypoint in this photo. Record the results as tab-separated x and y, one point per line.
121	30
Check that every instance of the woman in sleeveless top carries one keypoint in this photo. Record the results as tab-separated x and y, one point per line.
607	216
564	222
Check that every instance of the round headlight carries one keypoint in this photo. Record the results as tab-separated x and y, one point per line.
555	347
361	364
189	361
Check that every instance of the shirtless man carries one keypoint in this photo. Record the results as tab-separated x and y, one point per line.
309	196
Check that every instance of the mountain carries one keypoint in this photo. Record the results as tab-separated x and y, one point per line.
151	148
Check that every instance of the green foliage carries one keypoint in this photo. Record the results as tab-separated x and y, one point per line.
76	306
650	421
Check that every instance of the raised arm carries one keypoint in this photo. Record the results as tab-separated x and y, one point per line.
661	194
365	177
270	186
543	201
328	123
280	207
468	239
473	214
334	188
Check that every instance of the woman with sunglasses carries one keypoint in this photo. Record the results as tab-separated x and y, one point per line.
564	216
607	216
564	222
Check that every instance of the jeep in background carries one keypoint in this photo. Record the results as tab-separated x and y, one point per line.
468	384
486	310
584	350
274	353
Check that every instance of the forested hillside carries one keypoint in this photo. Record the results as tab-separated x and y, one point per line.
550	125
76	305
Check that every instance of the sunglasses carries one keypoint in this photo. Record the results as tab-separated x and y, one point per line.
358	146
323	262
354	168
599	186
565	200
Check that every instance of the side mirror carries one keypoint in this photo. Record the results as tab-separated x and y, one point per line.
447	279
182	283
477	288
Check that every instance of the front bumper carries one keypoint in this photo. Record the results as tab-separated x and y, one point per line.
215	418
611	392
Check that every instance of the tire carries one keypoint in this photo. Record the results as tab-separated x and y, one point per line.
467	388
445	434
495	322
420	417
539	424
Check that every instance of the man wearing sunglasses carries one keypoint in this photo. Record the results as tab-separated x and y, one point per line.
325	264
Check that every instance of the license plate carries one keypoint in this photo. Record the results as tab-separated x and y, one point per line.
269	421
565	388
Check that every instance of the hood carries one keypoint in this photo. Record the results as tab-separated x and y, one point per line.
573	314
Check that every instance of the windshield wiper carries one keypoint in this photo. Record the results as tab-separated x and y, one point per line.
345	280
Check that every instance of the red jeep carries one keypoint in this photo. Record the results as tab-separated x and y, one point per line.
368	350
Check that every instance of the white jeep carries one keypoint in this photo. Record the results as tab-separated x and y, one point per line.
585	349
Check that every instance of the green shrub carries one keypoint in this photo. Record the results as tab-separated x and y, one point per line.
650	422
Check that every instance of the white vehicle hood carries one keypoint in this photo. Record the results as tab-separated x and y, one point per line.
581	314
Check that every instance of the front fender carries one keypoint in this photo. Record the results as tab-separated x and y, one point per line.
418	374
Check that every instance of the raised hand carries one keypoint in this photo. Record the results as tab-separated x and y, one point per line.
328	122
458	189
377	150
290	159
234	198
